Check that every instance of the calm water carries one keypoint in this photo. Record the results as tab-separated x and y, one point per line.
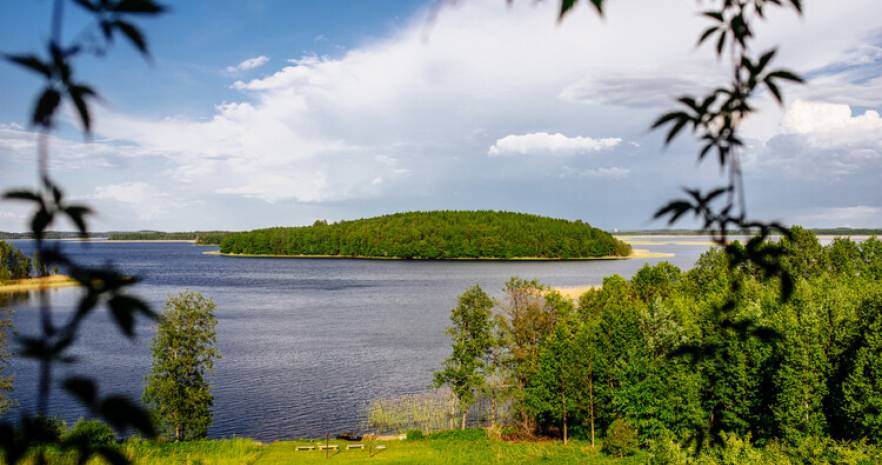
306	344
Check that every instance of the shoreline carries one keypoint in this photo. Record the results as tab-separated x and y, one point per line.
35	284
635	253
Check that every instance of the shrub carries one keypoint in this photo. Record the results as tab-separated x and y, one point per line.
666	451
415	435
50	428
90	432
621	439
469	434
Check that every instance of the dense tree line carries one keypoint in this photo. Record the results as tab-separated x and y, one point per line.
801	371
13	263
201	237
435	235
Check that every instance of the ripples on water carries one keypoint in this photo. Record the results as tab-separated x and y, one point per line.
306	343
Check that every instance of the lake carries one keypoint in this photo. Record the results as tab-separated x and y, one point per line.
306	343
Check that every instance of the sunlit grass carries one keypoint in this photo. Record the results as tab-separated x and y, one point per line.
427	451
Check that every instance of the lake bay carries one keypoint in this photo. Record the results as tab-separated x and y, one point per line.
306	343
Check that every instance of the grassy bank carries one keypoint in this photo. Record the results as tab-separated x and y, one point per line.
35	284
423	452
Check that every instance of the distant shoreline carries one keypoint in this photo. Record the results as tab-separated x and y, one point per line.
636	253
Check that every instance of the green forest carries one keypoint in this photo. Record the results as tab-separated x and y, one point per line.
652	362
435	235
201	237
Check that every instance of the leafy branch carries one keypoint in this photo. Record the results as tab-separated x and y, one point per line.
102	286
714	120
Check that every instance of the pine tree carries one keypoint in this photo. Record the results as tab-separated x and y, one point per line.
183	352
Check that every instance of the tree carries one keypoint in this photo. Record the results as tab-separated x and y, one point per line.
471	340
559	385
529	316
862	388
183	353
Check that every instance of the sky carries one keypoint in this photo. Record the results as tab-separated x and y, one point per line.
274	113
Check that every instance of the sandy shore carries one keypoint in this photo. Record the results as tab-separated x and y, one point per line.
644	253
575	292
35	284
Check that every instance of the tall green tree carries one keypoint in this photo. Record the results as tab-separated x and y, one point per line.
559	386
530	313
471	340
183	353
862	388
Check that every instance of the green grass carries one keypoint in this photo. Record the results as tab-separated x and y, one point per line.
424	452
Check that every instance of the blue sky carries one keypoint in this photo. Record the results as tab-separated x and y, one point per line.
265	113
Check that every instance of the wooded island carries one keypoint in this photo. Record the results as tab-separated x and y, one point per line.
441	235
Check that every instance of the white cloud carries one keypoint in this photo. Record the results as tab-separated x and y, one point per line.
831	123
543	143
249	64
129	192
613	172
819	140
21	143
422	104
144	200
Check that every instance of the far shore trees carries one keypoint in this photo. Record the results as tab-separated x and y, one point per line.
183	353
472	340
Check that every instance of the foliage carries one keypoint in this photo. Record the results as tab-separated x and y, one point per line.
201	237
468	434
528	316
559	385
183	353
91	432
773	372
862	387
471	340
13	263
621	439
435	235
715	119
666	451
415	435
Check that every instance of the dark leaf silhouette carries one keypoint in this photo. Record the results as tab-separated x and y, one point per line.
32	63
46	106
83	389
121	413
133	34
